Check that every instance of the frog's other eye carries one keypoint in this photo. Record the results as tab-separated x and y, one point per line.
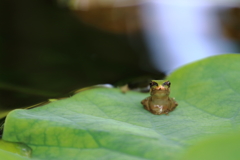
153	84
167	84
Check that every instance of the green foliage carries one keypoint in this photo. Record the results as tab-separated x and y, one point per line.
220	147
14	151
104	123
11	156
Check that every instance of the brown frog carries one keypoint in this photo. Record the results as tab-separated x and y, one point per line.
159	102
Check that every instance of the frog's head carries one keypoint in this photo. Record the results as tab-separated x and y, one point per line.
160	88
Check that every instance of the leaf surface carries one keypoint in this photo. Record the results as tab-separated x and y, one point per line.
104	123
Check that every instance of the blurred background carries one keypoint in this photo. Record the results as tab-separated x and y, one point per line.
51	47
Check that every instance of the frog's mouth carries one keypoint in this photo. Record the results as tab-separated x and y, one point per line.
160	91
161	88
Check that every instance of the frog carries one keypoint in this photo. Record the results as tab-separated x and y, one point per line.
159	101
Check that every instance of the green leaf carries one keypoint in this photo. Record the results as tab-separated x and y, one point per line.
220	147
14	151
11	156
104	123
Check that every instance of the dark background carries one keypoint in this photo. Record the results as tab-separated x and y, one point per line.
46	52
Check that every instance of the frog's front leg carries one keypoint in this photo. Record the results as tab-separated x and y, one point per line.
173	103
145	103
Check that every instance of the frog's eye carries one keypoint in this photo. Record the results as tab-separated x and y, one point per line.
167	84
153	84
